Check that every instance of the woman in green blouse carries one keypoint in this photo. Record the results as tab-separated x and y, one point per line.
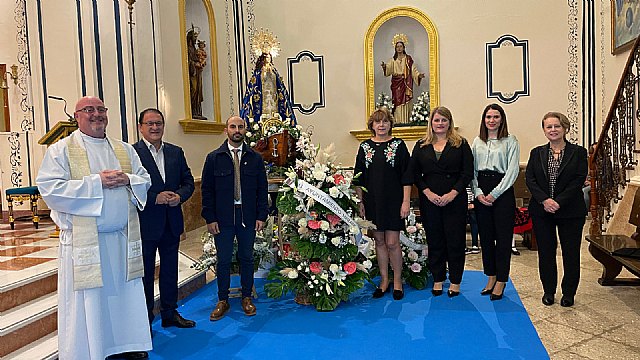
496	156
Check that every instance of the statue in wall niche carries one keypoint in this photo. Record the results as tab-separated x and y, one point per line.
197	58
266	96
403	74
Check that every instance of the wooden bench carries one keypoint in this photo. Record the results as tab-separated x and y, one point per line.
602	248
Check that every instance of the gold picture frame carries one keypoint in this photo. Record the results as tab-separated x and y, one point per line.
412	132
189	125
625	24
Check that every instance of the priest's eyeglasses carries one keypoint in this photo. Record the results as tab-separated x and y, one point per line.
93	109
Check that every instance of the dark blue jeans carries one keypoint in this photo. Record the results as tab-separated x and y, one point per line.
245	236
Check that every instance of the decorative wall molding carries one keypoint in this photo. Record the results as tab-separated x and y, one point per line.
309	105
229	60
512	94
15	159
572	69
24	67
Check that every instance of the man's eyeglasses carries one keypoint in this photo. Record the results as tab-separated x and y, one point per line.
92	109
154	123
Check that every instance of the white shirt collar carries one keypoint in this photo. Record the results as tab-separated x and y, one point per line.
231	148
151	147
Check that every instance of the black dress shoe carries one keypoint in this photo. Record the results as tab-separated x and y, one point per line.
494	297
452	293
566	301
379	293
486	291
398	294
130	355
436	292
178	321
548	299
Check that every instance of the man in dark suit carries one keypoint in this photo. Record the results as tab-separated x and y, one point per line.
234	205
161	222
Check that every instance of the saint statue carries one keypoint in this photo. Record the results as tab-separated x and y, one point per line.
403	74
266	95
197	57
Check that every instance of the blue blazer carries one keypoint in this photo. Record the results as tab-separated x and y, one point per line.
178	179
217	187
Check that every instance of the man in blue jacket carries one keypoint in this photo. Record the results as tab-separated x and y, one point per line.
234	205
161	222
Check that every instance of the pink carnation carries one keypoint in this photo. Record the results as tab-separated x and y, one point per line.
315	267
333	219
415	267
350	267
314	224
338	179
411	229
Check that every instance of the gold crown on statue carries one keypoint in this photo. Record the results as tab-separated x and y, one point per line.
400	38
264	42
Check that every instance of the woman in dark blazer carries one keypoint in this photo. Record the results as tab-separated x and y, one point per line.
443	166
555	174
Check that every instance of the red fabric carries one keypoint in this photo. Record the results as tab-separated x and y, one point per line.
522	222
402	85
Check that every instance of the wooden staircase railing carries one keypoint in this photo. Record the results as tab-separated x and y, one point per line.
612	157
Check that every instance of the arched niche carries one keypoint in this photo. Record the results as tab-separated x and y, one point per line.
373	57
200	14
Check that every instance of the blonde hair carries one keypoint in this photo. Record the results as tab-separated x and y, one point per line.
564	121
452	134
379	115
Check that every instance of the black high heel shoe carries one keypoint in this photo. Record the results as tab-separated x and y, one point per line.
487	291
494	297
379	293
452	293
398	294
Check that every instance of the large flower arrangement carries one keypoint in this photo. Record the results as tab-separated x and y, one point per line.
415	266
421	110
325	265
263	250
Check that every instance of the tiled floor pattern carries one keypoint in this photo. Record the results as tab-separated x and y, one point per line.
25	251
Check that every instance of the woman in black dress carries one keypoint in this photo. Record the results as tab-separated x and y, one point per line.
382	162
555	174
443	166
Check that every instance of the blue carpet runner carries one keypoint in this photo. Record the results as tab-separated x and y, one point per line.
420	326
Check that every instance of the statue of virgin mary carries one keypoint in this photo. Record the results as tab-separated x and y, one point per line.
266	95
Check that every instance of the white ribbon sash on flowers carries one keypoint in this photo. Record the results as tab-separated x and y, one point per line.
326	200
410	244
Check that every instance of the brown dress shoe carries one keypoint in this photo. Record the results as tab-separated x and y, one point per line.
248	307
221	309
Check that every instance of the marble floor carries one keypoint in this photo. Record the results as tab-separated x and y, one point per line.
604	323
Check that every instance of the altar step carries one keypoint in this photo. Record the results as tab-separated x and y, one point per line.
28	311
45	348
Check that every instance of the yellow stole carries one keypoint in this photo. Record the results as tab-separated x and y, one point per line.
87	271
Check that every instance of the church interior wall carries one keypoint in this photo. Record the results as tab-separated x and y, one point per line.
332	29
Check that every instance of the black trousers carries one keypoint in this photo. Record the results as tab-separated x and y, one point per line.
495	227
445	228
570	233
167	247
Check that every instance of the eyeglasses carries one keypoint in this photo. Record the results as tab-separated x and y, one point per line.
92	109
154	123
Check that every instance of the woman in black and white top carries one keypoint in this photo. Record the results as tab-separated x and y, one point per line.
555	174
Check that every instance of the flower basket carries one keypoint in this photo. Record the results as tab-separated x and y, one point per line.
263	253
325	263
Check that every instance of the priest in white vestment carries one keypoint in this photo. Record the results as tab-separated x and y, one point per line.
93	197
